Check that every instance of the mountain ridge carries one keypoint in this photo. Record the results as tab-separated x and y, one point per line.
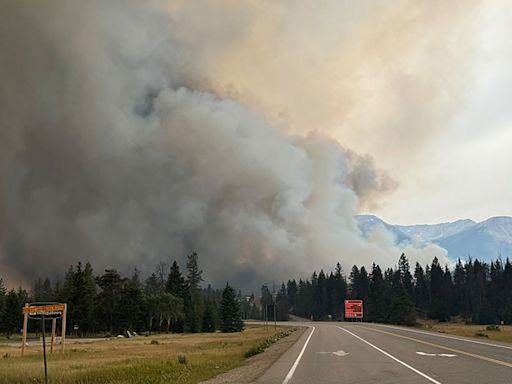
463	238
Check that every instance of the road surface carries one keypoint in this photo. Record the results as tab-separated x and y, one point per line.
359	353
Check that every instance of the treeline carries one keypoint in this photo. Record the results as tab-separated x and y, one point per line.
167	301
474	291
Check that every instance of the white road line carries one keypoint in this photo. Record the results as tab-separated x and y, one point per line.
444	336
294	366
392	357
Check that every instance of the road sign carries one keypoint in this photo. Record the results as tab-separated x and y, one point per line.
354	309
46	310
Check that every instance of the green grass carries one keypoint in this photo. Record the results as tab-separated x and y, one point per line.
138	360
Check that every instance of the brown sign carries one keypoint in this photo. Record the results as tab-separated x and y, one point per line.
49	311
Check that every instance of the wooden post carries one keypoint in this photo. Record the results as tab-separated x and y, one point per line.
63	336
54	325
25	322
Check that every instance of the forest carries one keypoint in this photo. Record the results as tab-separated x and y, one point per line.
170	300
110	304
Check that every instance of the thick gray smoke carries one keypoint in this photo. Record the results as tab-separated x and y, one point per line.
116	149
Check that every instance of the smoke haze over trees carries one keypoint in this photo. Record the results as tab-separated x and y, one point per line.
124	142
474	292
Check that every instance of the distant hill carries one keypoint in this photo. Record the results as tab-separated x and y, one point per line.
486	240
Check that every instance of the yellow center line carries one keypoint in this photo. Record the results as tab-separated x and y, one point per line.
499	362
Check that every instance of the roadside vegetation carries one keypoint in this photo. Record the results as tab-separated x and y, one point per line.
110	304
490	332
173	358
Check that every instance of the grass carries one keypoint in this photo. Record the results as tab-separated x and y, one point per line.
267	342
180	359
480	331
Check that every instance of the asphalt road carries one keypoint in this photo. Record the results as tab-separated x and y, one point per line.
359	353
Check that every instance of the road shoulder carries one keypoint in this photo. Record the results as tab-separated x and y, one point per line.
255	366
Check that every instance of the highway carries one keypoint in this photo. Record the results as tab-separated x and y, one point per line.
360	353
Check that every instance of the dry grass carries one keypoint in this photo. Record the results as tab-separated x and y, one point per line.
135	360
461	329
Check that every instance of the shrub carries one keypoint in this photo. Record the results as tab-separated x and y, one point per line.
481	334
492	327
267	342
154	342
182	359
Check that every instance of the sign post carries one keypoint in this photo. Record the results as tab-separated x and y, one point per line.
54	325
354	309
44	352
25	321
43	311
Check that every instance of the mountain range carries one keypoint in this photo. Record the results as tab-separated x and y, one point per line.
486	240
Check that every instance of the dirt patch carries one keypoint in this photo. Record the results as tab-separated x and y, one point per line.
255	366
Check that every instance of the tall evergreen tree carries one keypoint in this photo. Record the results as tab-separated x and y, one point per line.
193	298
439	302
176	282
378	299
339	293
10	318
421	290
109	309
210	317
3	293
131	300
283	305
231	319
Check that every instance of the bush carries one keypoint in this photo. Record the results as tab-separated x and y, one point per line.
154	342
481	334
182	359
265	343
492	327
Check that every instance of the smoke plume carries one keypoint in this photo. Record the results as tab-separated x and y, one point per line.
133	132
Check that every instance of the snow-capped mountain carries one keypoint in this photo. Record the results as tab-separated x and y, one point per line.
367	222
486	240
430	233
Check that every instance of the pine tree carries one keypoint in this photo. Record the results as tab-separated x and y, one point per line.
378	299
3	293
283	305
10	319
193	298
339	292
108	299
210	317
405	275
421	294
176	282
42	291
131	300
231	319
439	304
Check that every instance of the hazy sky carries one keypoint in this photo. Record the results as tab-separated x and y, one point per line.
421	87
466	172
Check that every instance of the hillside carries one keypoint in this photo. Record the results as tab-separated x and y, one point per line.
463	238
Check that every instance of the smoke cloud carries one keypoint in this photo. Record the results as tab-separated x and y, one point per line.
134	132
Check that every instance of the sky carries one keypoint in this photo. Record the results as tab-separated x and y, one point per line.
251	132
421	87
466	173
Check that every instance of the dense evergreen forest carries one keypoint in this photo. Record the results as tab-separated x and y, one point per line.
474	292
167	301
171	301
